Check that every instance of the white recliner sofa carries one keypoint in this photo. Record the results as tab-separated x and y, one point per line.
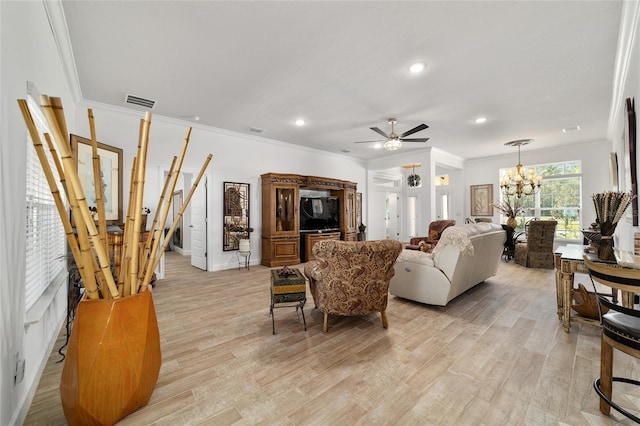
465	256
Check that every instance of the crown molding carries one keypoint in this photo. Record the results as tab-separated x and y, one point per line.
58	24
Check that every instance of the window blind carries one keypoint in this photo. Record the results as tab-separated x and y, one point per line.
45	237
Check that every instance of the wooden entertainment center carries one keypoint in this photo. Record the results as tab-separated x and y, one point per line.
282	240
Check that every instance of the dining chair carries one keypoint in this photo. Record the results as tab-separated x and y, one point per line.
620	328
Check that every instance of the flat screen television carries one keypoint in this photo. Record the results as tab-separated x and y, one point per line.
319	214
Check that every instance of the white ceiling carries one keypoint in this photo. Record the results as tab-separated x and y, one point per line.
531	67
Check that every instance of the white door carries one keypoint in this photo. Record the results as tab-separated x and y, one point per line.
377	226
199	226
393	216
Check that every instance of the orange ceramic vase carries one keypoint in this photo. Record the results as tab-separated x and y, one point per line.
112	361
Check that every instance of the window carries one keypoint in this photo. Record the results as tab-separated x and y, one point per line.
559	198
45	238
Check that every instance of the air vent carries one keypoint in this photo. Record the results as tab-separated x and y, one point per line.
255	130
138	101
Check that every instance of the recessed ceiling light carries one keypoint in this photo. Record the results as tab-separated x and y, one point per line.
299	122
571	129
417	67
481	120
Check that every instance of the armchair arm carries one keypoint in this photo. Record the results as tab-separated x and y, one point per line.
416	240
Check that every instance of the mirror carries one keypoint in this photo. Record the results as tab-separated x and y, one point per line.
236	215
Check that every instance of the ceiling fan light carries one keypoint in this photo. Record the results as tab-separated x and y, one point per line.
392	144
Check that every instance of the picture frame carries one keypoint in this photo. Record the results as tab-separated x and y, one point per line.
236	215
482	200
631	133
111	167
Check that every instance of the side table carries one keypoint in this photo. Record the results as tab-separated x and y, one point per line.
288	291
244	257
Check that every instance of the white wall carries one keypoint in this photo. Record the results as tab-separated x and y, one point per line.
28	52
432	161
627	81
236	158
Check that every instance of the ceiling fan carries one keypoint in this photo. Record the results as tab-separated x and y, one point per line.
394	141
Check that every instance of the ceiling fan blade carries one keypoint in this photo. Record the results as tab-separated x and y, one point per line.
414	140
375	129
379	140
414	130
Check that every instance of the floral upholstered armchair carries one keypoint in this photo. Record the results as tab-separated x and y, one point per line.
351	278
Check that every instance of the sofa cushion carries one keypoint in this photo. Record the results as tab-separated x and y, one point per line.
416	256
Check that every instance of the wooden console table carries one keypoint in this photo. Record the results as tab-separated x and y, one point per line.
569	259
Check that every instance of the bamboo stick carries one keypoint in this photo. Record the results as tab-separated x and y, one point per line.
165	212
96	278
72	175
156	233
97	181
176	220
53	186
139	194
58	111
81	232
123	274
82	238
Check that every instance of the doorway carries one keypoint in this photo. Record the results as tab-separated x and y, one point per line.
443	203
192	239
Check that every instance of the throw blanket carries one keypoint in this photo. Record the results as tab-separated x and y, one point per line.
457	238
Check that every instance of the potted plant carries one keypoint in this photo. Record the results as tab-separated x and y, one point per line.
610	207
510	208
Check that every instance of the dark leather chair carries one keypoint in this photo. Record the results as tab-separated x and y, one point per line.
620	328
435	232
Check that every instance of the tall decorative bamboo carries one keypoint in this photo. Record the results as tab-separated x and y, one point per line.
72	175
107	373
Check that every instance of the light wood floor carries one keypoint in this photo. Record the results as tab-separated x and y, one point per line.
496	355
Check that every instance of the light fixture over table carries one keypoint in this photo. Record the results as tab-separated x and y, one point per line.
413	180
520	181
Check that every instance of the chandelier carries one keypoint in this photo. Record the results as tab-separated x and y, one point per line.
413	180
519	181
